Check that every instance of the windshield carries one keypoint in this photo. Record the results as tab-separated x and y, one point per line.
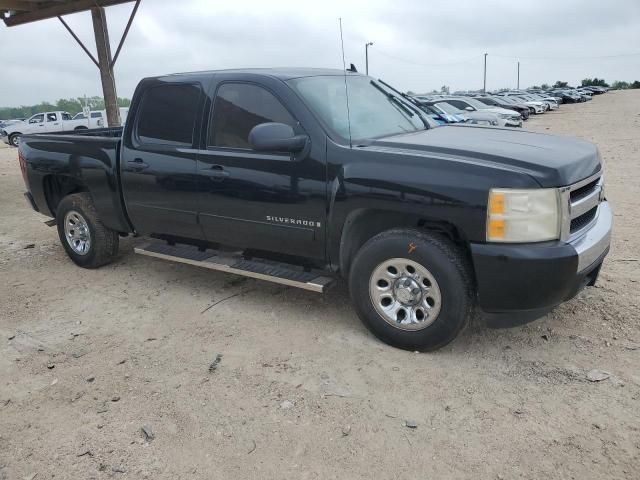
450	109
475	103
510	100
372	112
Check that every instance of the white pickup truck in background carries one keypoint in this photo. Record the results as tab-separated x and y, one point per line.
50	122
98	118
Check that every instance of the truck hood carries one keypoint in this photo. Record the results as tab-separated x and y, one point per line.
552	161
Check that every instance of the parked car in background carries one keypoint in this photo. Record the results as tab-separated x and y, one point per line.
596	90
6	123
95	119
46	122
49	122
98	118
548	99
516	101
569	96
441	117
539	107
476	117
521	108
505	117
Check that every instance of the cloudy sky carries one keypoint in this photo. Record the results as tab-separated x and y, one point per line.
418	45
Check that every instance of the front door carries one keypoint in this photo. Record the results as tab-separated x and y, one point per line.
158	161
35	124
264	201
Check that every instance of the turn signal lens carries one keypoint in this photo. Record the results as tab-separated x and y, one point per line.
523	215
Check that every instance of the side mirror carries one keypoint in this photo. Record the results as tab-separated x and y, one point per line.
276	137
469	109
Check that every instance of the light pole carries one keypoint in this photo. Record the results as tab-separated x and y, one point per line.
518	76
366	56
484	88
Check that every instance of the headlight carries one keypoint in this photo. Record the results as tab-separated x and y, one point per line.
504	115
523	215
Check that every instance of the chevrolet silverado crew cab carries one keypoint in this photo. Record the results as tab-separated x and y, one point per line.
272	174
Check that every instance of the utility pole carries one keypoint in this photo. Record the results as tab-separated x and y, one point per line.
484	88
366	56
105	64
518	76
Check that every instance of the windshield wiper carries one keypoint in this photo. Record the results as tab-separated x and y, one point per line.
414	103
392	98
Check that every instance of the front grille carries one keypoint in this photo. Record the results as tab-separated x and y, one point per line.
584	191
581	203
583	220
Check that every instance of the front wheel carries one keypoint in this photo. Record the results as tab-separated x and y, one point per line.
86	240
14	139
411	289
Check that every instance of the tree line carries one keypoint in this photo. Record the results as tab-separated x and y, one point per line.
593	82
70	105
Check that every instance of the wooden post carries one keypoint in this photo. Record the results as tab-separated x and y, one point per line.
105	64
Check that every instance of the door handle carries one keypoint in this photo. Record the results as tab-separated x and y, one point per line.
215	171
137	164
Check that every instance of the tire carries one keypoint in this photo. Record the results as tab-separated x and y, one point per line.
446	276
85	239
14	139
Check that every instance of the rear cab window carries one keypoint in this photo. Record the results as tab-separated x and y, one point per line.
167	115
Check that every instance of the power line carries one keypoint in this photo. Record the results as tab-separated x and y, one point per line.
571	58
425	64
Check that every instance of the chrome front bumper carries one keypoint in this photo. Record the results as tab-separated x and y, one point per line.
596	240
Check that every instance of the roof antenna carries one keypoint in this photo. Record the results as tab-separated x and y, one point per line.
346	88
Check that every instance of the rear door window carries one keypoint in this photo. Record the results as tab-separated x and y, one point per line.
167	114
52	117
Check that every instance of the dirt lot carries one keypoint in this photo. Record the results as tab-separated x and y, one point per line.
87	358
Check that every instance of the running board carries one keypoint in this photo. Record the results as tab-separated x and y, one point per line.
282	273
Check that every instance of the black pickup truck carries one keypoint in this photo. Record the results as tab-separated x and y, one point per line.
273	174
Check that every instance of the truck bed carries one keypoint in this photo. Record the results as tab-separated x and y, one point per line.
94	132
62	162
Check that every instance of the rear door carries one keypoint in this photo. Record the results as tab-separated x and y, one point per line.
271	201
53	122
158	159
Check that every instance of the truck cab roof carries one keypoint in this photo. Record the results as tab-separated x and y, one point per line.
283	73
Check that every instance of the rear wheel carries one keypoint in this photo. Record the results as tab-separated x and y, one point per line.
411	289
86	240
14	139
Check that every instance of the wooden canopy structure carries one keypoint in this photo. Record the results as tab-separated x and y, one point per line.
20	12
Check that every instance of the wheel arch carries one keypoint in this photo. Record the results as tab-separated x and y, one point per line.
364	224
57	186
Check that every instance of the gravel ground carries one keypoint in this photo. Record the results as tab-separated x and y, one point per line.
302	390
